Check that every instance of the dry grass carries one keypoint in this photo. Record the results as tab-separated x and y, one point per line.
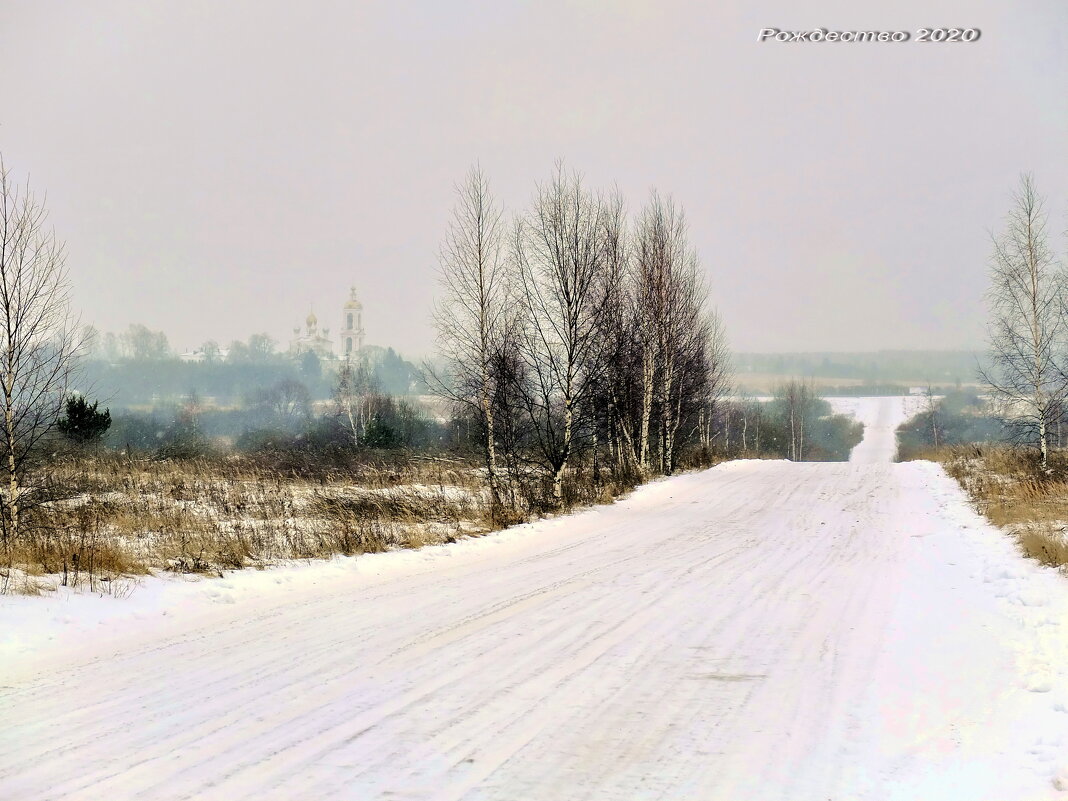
110	518
1009	487
1046	543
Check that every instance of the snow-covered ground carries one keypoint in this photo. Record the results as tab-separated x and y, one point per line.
763	631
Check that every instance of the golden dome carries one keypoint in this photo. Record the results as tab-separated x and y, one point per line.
352	302
312	320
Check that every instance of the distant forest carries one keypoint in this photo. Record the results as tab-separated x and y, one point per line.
887	370
144	373
139	371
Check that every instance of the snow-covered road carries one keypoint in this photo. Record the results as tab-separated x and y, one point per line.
759	631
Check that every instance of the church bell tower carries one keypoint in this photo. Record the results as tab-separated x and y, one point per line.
351	336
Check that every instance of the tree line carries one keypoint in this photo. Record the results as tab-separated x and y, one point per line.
575	336
958	417
159	382
141	343
795	423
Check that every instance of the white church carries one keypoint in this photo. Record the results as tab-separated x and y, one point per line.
317	340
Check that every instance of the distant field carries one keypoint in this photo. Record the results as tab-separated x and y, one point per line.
764	383
884	372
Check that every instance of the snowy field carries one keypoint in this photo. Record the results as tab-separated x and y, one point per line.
759	631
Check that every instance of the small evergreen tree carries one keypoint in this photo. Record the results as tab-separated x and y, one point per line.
83	423
379	434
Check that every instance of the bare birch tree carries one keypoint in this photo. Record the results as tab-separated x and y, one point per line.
796	400
1027	380
617	386
471	314
659	243
559	262
708	381
931	400
355	390
670	299
39	340
686	336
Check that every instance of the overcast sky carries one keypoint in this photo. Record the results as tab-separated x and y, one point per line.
218	168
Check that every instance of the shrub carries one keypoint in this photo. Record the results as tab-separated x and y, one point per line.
82	422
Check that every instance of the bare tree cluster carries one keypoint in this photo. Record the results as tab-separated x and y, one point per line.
574	338
798	401
1028	327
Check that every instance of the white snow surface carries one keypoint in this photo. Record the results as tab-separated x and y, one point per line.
759	631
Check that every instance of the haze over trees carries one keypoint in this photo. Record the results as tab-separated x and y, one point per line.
236	375
796	423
